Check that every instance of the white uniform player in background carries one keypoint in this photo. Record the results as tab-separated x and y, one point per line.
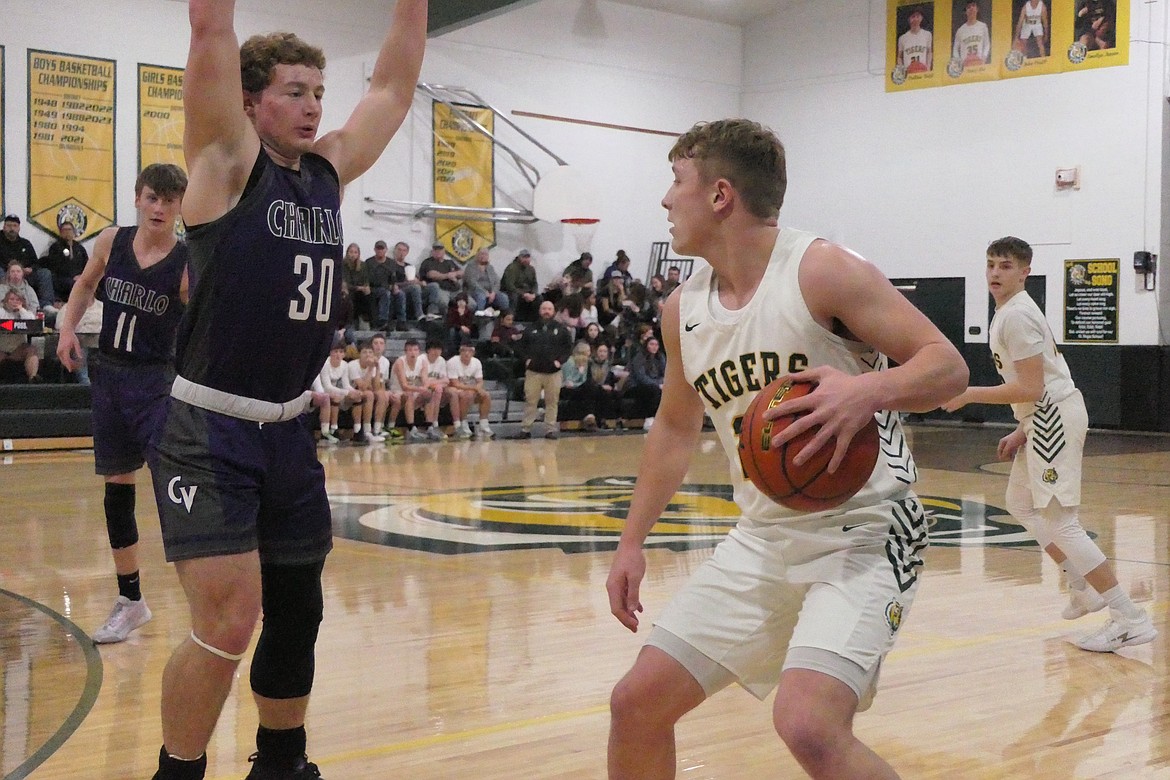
1044	490
972	39
808	604
916	46
1033	23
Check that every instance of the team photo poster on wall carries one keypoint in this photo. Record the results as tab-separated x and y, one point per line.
942	42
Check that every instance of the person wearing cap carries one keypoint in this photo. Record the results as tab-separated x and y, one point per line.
443	277
379	275
15	247
519	283
406	291
580	269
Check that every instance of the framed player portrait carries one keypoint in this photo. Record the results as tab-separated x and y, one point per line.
1100	34
910	37
1032	28
972	45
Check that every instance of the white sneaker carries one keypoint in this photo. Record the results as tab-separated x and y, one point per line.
328	437
415	435
1119	633
484	431
127	616
434	434
462	432
1082	602
376	438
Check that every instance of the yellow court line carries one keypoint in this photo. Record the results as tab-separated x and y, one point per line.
455	736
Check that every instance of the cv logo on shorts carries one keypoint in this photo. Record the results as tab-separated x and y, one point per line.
1050	476
185	495
894	615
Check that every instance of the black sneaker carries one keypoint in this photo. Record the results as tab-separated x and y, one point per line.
523	435
262	770
360	438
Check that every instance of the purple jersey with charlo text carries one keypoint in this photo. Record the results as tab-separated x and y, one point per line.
140	306
266	285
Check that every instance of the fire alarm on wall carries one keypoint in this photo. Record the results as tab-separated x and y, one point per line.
1068	178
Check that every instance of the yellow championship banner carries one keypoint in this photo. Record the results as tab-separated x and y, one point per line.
464	175
70	142
160	115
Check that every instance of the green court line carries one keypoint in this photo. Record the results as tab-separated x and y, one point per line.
89	694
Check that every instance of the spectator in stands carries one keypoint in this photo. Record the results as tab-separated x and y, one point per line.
602	376
673	280
379	276
334	384
581	269
647	372
408	379
506	335
619	268
15	347
65	259
14	247
656	291
594	335
407	290
440	387
589	306
519	284
465	373
461	323
363	375
384	399
609	303
357	278
14	280
482	283
545	346
578	393
443	278
570	314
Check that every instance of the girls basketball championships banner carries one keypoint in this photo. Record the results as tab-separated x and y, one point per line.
70	142
464	175
160	115
943	42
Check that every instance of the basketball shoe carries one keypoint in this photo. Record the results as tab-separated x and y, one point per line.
127	616
265	770
1119	632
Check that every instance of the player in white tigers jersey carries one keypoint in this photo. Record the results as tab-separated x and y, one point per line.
1032	23
1044	490
972	39
916	46
808	604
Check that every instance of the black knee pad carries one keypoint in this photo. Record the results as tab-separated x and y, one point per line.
283	665
120	524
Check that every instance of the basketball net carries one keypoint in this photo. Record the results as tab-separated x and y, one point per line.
582	230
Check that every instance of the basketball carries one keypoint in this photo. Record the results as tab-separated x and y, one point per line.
808	487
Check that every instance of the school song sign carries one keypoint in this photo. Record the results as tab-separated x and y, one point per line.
464	175
1090	300
70	142
942	42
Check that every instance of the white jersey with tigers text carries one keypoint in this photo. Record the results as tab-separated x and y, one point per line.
1020	331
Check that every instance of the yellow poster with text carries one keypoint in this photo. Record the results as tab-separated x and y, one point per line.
1099	35
71	136
915	56
1033	36
464	176
160	115
974	46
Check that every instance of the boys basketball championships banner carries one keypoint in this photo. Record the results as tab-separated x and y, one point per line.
944	42
70	142
464	175
160	115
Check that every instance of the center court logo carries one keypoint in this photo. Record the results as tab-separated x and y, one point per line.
589	517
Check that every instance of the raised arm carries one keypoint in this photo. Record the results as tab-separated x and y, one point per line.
219	142
81	298
378	115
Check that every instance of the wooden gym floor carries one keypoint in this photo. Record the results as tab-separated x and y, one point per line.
467	632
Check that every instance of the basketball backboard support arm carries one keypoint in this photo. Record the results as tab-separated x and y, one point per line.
432	210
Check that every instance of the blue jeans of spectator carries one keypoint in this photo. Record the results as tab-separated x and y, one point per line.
381	305
408	294
436	299
41	280
481	302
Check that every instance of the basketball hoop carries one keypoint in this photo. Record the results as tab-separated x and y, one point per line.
581	229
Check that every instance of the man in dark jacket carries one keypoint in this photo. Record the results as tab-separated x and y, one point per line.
546	345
